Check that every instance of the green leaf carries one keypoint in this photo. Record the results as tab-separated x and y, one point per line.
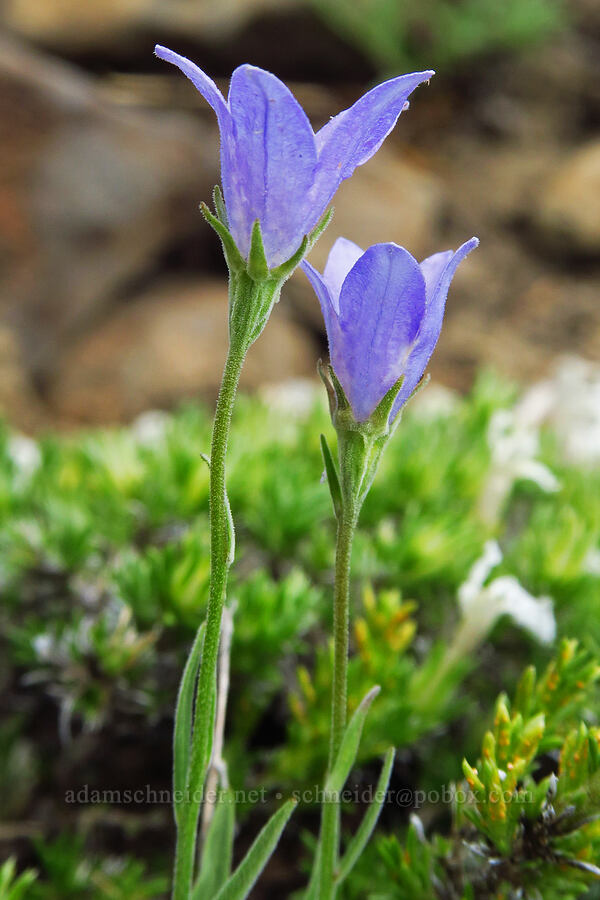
235	261
365	829
258	267
312	891
231	532
182	733
217	851
239	885
13	886
350	743
332	477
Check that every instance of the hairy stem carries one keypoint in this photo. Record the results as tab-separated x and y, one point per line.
220	539
330	822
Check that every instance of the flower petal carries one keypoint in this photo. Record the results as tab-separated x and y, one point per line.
508	597
382	303
438	271
342	257
199	79
328	306
354	135
276	157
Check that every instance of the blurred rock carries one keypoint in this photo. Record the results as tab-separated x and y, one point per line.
72	25
19	404
388	199
167	345
568	209
90	194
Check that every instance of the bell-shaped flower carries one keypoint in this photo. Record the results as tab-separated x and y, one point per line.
383	313
274	168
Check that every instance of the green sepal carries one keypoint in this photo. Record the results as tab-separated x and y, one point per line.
219	205
282	273
332	477
257	266
338	402
235	261
380	417
349	746
320	227
365	829
182	732
239	885
217	851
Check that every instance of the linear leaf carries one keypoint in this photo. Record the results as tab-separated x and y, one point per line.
350	743
239	885
365	829
218	849
182	733
332	477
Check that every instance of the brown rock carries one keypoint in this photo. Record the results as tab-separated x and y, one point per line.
568	209
165	346
74	25
19	404
89	194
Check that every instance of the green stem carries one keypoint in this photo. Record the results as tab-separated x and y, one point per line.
330	822
341	618
219	565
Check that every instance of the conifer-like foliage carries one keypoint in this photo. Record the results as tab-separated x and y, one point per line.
104	577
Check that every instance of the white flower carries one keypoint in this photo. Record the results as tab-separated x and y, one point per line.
591	563
296	397
571	406
149	427
25	454
482	605
513	439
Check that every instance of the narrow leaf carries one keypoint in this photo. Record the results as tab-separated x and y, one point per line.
234	259
350	743
258	267
231	532
182	732
312	891
365	829
217	851
239	885
332	477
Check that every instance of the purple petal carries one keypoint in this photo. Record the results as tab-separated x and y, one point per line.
276	157
328	304
201	82
354	135
438	271
382	304
342	257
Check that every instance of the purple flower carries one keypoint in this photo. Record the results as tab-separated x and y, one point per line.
274	168
383	313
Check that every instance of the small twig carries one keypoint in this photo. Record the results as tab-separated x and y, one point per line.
217	772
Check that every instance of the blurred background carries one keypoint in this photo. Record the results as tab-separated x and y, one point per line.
113	301
113	289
